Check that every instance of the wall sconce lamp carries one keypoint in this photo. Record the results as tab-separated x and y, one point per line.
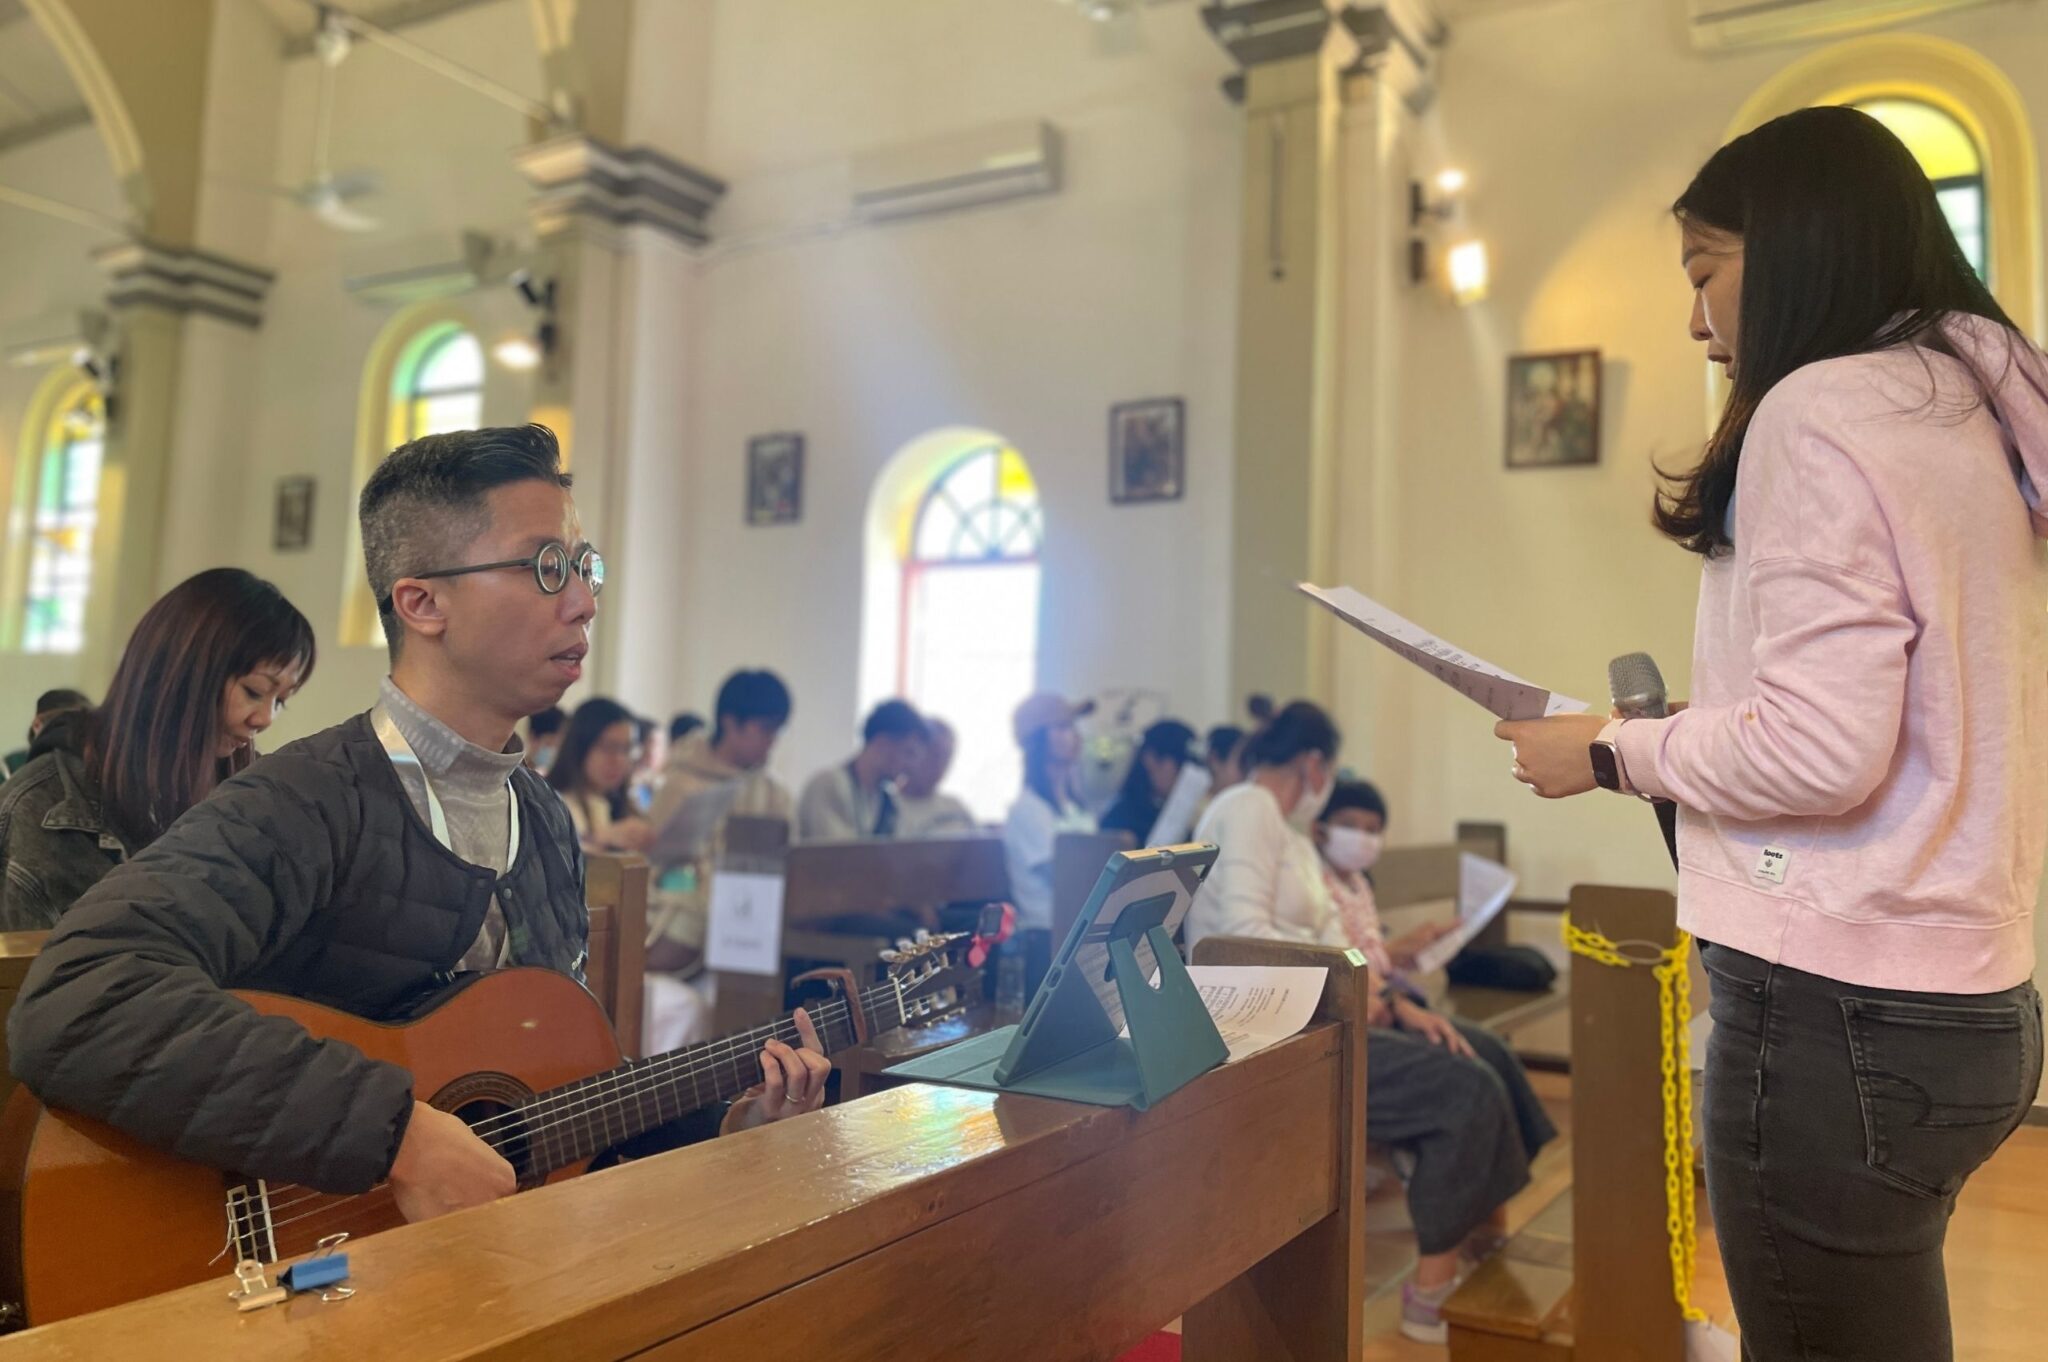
1431	207
522	350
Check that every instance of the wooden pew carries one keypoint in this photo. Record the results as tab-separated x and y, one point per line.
1078	859
922	1222
825	880
1522	1305
17	952
615	890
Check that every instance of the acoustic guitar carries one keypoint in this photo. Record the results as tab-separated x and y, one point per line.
91	1218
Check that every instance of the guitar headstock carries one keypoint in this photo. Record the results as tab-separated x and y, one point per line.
932	973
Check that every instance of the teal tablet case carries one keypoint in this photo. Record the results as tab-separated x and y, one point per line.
1068	1046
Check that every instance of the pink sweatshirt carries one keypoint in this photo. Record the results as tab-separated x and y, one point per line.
1863	773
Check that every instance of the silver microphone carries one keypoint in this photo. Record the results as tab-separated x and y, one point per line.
1637	687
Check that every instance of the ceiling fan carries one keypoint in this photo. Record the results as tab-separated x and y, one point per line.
328	196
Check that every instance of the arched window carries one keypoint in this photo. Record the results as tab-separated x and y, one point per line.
63	514
1952	159
440	384
956	523
1934	87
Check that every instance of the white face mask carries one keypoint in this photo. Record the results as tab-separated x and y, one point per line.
1351	850
1310	806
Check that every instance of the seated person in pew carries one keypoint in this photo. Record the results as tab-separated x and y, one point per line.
1350	834
1047	806
1165	748
599	748
543	736
206	670
855	801
1449	1094
49	705
923	810
358	868
728	763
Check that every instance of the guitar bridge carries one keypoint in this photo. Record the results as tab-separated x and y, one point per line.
251	1236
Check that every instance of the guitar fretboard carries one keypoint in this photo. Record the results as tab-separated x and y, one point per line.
579	1120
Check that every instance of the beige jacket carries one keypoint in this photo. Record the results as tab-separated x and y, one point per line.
680	901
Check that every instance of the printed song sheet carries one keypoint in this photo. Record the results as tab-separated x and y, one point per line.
1483	889
1255	1006
1505	694
1176	821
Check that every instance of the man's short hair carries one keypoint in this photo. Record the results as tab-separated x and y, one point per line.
52	701
549	720
683	725
893	719
426	501
748	695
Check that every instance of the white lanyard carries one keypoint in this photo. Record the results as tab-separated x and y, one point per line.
400	751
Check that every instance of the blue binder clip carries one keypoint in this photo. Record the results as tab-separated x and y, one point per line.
320	1272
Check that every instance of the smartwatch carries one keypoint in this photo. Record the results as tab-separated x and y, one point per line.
1606	765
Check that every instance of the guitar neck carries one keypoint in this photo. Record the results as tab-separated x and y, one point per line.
579	1120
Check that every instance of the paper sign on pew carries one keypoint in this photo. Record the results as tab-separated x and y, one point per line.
1483	889
745	932
1506	695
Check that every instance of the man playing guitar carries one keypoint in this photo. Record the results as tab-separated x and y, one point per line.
359	867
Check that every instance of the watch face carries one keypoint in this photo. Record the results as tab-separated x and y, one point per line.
1606	769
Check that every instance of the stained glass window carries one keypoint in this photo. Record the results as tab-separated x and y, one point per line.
442	387
969	649
62	520
1950	156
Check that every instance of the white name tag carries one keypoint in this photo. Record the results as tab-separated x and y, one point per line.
1773	864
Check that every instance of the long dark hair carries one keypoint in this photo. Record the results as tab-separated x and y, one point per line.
1038	771
1845	251
1301	727
585	727
151	747
1167	738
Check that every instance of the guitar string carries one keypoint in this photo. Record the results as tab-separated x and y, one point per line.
590	1101
589	1094
665	1070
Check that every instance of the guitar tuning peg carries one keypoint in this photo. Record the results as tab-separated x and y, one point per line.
891	957
923	935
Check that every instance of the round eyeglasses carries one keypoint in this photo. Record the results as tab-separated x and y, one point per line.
551	564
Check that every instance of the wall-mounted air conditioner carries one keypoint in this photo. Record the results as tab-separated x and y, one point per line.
961	170
1716	24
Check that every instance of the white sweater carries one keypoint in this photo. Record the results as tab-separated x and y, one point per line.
1267	880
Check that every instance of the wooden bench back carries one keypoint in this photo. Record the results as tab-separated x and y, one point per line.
17	952
615	889
918	1222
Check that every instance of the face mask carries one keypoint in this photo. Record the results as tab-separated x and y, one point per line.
1303	817
1350	849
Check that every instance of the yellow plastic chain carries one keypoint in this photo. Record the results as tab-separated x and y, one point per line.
1674	1020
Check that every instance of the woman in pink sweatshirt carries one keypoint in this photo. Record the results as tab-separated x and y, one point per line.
1862	776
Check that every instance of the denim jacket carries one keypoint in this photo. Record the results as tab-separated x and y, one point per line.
54	842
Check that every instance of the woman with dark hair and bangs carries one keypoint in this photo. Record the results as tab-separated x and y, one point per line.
203	676
591	772
1862	774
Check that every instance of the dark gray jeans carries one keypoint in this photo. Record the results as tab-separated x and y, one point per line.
1840	1124
1472	1125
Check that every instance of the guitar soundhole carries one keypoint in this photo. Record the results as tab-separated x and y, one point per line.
488	1103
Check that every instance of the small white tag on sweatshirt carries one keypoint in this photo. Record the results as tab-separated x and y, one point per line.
1773	864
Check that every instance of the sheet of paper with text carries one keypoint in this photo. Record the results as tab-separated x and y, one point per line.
1503	693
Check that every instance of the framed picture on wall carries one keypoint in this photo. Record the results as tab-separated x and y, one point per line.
1553	405
775	479
294	528
1147	459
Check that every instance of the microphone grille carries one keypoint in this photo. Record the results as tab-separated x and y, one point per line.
1635	675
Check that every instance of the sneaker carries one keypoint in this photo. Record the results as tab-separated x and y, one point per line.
1422	1314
